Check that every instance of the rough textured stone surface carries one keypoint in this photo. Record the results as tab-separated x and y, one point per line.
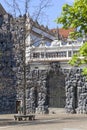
36	91
40	83
76	92
11	62
12	71
7	63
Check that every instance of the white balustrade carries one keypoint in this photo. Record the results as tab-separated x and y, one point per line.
54	53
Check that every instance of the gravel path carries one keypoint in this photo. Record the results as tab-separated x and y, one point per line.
56	120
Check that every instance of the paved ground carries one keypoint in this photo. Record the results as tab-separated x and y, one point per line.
56	120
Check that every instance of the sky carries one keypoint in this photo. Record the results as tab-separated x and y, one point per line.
48	15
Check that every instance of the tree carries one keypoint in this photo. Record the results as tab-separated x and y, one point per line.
35	9
75	16
42	5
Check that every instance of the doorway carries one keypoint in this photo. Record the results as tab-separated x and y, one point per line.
56	88
18	105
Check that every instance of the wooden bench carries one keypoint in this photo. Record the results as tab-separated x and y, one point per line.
24	117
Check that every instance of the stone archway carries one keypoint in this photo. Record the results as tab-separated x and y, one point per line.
46	88
56	86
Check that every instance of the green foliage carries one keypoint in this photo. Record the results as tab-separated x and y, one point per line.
80	58
74	60
85	71
75	16
83	49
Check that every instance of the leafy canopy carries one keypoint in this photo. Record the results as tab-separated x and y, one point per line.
80	58
75	16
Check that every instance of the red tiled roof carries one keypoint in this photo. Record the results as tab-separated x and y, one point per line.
64	33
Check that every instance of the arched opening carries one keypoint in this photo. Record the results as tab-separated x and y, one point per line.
56	89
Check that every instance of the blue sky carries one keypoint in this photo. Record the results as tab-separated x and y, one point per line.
51	13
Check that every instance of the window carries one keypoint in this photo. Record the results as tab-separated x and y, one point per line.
69	54
36	55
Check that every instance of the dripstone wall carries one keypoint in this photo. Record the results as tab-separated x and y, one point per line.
45	89
7	65
12	70
37	91
39	83
11	62
76	92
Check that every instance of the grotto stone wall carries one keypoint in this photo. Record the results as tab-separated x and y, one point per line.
7	65
38	89
76	92
12	73
36	93
11	62
38	81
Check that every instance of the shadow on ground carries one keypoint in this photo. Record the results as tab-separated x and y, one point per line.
7	122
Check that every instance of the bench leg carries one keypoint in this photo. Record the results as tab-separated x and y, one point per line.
15	118
20	119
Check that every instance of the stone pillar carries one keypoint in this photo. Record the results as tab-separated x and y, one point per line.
30	100
42	98
42	93
76	92
69	97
